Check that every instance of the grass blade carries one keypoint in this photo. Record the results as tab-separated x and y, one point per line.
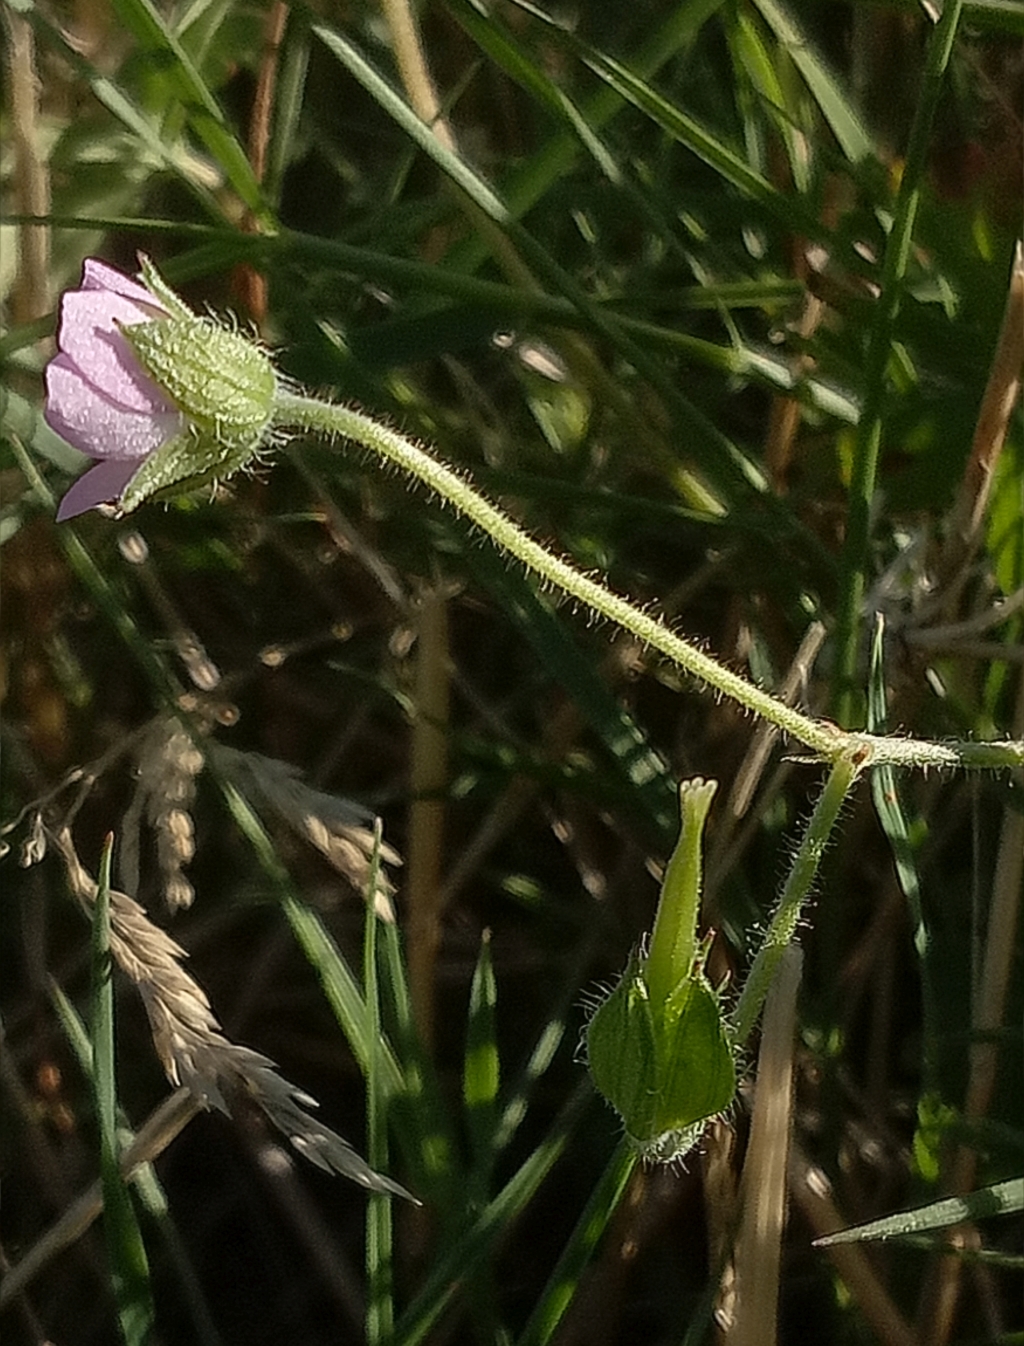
688	131
128	1264
729	471
1003	1198
525	187
201	107
855	554
835	105
420	1116
477	1239
481	1070
645	781
885	793
136	120
146	1182
585	1237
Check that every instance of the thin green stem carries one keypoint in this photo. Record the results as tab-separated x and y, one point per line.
825	739
798	885
854	560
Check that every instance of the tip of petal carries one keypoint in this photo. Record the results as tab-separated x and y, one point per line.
101	485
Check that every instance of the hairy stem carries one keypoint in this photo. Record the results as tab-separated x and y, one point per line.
798	885
824	739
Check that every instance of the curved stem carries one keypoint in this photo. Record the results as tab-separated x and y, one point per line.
309	414
826	740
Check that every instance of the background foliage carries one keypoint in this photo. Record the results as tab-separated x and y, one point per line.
654	343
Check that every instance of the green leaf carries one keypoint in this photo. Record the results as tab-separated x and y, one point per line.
836	106
203	111
1002	1198
128	1263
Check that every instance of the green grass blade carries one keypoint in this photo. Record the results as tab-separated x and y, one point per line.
688	131
585	1237
201	108
729	471
288	105
529	184
147	1184
476	1241
419	1115
515	62
481	1077
836	106
341	989
646	783
481	1069
136	121
128	1263
1002	1198
886	797
339	982
855	553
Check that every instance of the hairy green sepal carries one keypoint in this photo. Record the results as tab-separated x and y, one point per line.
220	380
186	463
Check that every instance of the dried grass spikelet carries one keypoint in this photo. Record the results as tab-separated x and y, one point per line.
190	1043
340	829
167	765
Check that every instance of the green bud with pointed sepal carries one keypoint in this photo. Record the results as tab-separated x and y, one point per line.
657	1048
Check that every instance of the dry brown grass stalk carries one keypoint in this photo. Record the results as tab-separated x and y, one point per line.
758	1255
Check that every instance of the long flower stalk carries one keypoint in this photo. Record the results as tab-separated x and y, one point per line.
824	739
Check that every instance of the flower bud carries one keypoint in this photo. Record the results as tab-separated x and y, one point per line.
657	1048
221	381
156	395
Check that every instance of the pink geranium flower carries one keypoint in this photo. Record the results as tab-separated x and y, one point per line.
98	397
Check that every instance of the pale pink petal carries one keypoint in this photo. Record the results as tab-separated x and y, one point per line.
100	485
97	275
96	425
91	338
